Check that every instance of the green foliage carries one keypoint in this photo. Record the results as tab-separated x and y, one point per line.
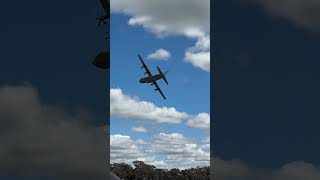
142	171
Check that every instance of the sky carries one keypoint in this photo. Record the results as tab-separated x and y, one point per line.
266	89
52	100
171	133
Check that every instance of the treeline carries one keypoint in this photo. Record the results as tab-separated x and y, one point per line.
142	171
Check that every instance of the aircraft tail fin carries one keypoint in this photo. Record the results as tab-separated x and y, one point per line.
163	75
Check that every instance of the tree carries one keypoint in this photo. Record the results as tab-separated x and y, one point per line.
123	170
142	171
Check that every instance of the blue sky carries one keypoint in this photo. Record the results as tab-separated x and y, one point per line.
188	90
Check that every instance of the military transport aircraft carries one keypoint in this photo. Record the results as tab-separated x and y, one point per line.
152	79
106	7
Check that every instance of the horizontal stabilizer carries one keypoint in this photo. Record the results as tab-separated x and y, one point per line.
163	75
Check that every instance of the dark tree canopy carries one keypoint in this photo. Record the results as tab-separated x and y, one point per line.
142	171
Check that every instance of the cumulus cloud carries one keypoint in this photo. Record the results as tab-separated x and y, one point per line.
239	170
199	55
140	129
187	18
179	17
179	150
124	149
39	139
201	121
175	150
124	106
160	54
303	13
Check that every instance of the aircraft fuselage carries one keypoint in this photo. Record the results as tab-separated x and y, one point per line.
150	79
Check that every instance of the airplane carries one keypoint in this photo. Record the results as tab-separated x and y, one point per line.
152	79
106	7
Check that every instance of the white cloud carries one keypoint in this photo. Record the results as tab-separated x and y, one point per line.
200	60
201	121
138	20
187	18
179	150
179	17
199	55
162	150
206	140
124	149
160	54
141	142
140	129
125	106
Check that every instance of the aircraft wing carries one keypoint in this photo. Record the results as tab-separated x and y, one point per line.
145	66
158	89
105	5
